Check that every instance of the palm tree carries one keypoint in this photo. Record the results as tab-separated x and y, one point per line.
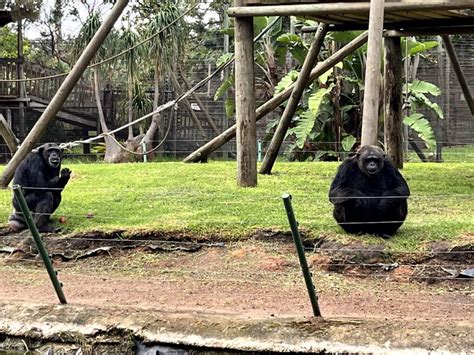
163	50
128	39
112	149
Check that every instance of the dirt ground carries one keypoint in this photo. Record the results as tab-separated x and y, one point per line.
256	279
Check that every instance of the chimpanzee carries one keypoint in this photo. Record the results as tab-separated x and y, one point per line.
369	194
39	175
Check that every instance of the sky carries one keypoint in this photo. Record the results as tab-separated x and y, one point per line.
71	25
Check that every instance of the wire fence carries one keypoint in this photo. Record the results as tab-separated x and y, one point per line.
173	150
187	133
104	206
442	267
185	136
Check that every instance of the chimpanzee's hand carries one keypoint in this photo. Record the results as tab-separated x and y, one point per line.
65	174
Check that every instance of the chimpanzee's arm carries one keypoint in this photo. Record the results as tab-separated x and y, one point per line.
342	191
396	186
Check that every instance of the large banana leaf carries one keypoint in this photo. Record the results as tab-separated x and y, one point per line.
422	127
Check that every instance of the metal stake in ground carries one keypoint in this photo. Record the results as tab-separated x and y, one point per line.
299	248
39	243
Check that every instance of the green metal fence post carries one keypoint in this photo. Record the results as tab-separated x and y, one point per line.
39	243
300	249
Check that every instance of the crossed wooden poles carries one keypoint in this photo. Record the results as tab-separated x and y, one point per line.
247	115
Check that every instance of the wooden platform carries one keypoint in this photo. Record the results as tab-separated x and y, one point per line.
352	15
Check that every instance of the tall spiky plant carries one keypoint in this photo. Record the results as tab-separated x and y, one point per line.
128	39
90	27
163	50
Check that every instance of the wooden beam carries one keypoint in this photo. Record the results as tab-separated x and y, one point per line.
63	92
429	31
347	8
186	103
201	105
8	135
417	150
433	25
370	117
393	73
459	73
300	84
203	152
65	116
408	32
245	102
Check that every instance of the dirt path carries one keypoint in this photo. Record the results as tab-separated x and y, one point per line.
252	280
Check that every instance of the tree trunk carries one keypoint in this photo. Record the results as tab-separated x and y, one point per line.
113	152
155	121
370	114
246	137
130	102
393	116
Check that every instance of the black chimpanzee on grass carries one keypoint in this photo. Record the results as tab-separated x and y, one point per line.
370	190
39	175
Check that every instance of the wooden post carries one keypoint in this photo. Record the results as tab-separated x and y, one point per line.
63	92
203	152
245	102
201	105
440	123
21	91
294	99
370	117
186	103
393	101
8	135
459	73
225	152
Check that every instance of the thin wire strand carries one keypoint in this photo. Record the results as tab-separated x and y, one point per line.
171	103
225	245
112	57
260	197
263	274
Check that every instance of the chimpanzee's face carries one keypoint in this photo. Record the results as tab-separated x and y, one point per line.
370	160
51	154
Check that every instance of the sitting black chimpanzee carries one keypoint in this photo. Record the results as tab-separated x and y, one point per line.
39	175
369	194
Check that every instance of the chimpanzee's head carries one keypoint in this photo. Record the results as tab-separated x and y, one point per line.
370	159
51	154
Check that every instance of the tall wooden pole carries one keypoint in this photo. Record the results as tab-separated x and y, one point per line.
7	134
226	150
63	92
203	152
370	115
294	99
245	102
186	103
21	84
459	73
393	100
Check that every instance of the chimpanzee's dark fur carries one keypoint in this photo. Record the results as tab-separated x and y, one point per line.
39	175
370	190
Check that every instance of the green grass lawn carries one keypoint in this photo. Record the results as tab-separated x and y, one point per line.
454	154
204	198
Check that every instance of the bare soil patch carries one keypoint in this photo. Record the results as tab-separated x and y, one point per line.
260	276
255	279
